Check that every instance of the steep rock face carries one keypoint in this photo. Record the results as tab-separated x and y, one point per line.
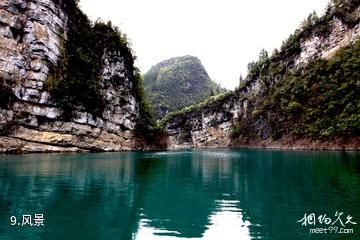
32	36
210	124
325	47
205	127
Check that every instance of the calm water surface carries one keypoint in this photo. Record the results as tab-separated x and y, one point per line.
210	194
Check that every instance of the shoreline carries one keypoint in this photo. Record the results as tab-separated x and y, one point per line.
9	145
305	144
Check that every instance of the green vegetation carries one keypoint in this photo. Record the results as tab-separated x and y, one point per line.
279	62
147	126
235	131
213	102
177	83
320	100
345	11
75	83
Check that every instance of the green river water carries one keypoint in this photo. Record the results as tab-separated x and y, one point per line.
192	194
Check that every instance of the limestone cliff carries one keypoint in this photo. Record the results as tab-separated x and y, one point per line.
32	37
213	123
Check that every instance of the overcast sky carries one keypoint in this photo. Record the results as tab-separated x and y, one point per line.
225	34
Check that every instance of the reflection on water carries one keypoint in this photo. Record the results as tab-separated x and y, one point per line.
209	194
226	220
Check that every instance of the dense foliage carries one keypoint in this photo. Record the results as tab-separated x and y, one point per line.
320	100
178	82
281	60
147	126
75	82
214	102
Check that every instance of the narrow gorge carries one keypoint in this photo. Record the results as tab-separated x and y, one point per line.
67	84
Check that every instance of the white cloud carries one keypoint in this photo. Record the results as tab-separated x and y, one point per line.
225	34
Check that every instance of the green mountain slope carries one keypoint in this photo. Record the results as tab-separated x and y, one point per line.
318	100
321	100
178	82
309	89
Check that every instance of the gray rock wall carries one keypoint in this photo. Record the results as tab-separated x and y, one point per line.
211	125
32	37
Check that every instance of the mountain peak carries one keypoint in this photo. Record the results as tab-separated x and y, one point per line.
178	82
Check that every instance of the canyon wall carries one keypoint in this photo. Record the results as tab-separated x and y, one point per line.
210	125
32	37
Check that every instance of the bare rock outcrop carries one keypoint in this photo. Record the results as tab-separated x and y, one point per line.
32	37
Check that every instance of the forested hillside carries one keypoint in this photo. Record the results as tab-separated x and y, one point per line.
178	82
